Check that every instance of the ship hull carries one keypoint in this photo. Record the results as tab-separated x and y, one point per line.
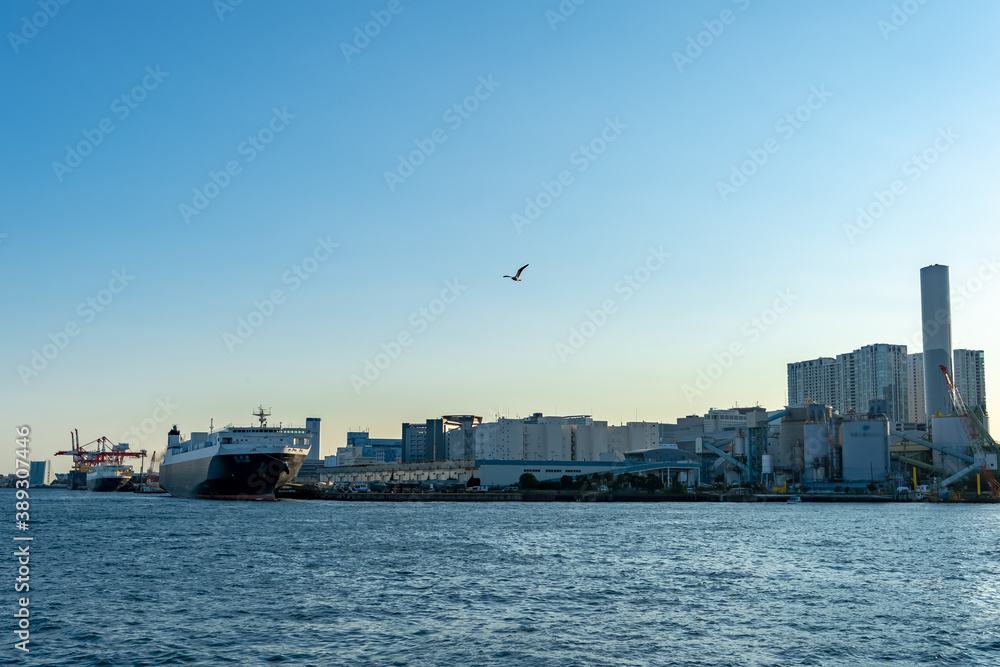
106	484
230	476
76	480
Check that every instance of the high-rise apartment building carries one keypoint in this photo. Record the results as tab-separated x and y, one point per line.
970	377
815	379
968	373
853	379
875	372
916	410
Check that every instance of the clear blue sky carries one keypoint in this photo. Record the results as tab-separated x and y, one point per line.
678	128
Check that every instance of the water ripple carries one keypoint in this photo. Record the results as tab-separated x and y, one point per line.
127	580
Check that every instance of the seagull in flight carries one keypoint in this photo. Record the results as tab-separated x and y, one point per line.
517	276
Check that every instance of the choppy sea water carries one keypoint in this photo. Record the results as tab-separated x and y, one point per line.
122	580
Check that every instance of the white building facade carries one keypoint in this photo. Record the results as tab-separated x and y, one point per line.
970	376
851	380
538	438
916	409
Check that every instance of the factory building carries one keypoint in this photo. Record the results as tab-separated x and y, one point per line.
633	435
806	444
865	447
542	438
727	420
429	441
362	449
951	434
685	428
803	451
547	439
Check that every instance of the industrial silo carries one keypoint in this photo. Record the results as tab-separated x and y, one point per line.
816	451
865	447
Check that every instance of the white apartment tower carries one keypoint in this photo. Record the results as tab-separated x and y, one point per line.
917	412
970	377
852	379
968	374
817	380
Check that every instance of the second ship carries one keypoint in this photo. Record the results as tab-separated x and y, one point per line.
108	476
235	463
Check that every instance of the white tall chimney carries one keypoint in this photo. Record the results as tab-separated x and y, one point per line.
935	312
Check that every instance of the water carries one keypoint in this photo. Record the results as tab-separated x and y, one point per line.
122	580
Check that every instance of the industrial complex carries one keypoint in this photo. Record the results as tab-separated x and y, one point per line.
877	418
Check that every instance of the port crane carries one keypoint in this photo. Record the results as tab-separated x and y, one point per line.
983	446
83	458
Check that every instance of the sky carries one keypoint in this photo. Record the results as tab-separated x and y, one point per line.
209	206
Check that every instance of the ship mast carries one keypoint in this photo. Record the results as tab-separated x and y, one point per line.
262	415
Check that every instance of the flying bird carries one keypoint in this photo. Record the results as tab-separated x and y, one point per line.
517	276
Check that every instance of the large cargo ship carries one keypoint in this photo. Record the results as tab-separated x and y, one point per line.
108	476
236	463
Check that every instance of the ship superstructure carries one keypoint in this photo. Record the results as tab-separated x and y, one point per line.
235	463
108	476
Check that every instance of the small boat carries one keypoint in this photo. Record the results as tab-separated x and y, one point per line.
794	499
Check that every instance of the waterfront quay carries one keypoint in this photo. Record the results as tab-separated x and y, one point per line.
298	491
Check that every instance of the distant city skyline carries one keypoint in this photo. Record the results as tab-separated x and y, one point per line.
312	206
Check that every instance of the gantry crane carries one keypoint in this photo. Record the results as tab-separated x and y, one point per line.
83	458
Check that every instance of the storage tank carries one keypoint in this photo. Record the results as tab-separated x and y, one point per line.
865	450
950	432
816	450
766	465
740	446
787	452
